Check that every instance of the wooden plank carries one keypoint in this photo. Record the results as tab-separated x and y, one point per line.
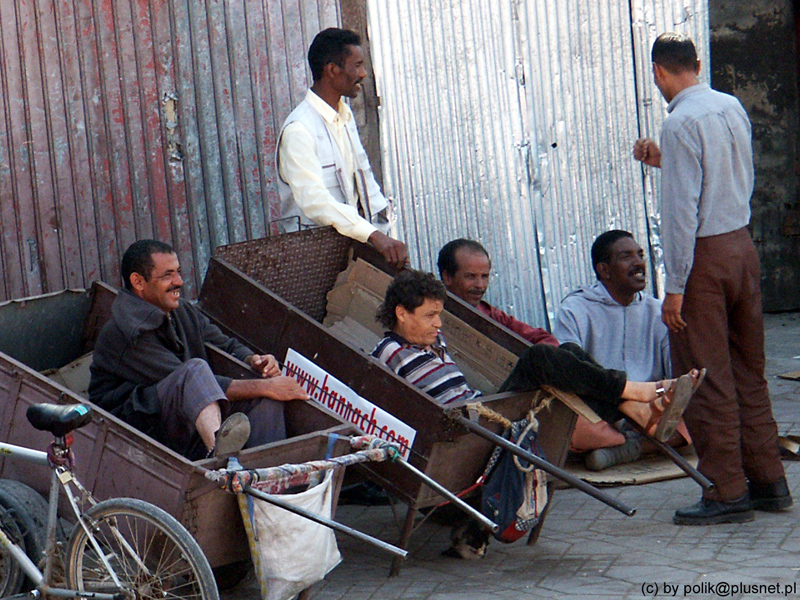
231	205
96	175
57	202
109	25
195	239
81	255
175	225
16	18
240	51
207	97
11	277
145	116
126	40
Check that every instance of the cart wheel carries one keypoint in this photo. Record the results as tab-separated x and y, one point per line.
32	509
11	575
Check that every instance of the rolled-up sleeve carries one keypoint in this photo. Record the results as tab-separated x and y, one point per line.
681	186
302	171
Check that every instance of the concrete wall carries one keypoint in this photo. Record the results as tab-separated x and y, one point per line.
754	56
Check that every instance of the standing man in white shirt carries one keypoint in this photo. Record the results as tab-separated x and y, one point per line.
324	173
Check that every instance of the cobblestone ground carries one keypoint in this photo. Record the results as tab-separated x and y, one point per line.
587	550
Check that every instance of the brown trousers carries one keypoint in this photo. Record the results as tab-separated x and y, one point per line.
730	416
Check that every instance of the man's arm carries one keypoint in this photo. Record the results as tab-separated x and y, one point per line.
535	335
279	388
681	186
647	151
301	170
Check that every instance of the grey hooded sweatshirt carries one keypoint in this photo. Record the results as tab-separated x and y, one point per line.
629	338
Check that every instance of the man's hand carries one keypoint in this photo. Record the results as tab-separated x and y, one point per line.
393	251
264	364
647	151
284	389
671	312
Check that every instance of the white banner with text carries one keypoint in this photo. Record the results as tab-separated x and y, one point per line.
331	393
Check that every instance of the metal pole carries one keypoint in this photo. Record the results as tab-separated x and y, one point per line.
673	454
450	496
323	521
544	465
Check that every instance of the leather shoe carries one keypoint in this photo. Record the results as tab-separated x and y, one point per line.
770	497
710	512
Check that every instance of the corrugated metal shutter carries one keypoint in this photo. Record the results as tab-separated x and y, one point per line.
124	119
513	123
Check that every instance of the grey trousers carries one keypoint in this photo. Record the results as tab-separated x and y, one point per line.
191	388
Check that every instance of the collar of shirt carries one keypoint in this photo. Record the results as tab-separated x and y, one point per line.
438	347
689	91
326	110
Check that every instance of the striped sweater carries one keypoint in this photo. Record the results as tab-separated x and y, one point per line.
432	371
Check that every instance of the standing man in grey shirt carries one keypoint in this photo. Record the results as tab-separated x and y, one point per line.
713	296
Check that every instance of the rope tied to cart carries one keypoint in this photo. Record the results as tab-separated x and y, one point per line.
368	449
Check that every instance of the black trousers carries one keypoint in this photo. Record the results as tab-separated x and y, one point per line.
570	368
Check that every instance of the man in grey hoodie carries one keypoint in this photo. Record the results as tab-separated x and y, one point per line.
620	325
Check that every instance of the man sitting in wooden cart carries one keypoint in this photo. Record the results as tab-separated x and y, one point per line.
415	349
465	268
150	367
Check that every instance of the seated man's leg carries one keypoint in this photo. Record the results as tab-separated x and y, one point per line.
571	369
184	394
590	436
266	420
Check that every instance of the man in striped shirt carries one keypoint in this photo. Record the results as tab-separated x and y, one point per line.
414	349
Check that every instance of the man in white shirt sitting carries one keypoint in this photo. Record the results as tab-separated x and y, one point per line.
324	173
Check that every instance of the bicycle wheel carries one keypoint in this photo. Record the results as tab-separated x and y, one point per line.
151	553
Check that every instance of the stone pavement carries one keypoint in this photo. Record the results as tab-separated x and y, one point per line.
588	550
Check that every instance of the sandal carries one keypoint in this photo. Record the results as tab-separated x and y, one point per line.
232	435
665	418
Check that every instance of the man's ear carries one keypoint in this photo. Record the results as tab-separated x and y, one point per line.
137	281
602	271
330	70
400	312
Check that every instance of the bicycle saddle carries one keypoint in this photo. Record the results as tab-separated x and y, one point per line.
58	419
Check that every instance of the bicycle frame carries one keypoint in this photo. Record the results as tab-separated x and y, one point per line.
61	476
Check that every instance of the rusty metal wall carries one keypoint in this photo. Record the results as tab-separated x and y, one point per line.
124	119
513	122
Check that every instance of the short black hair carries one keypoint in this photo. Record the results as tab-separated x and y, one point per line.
675	52
447	255
409	289
138	258
330	45
601	248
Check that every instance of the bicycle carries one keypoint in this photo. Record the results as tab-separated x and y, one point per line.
118	549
